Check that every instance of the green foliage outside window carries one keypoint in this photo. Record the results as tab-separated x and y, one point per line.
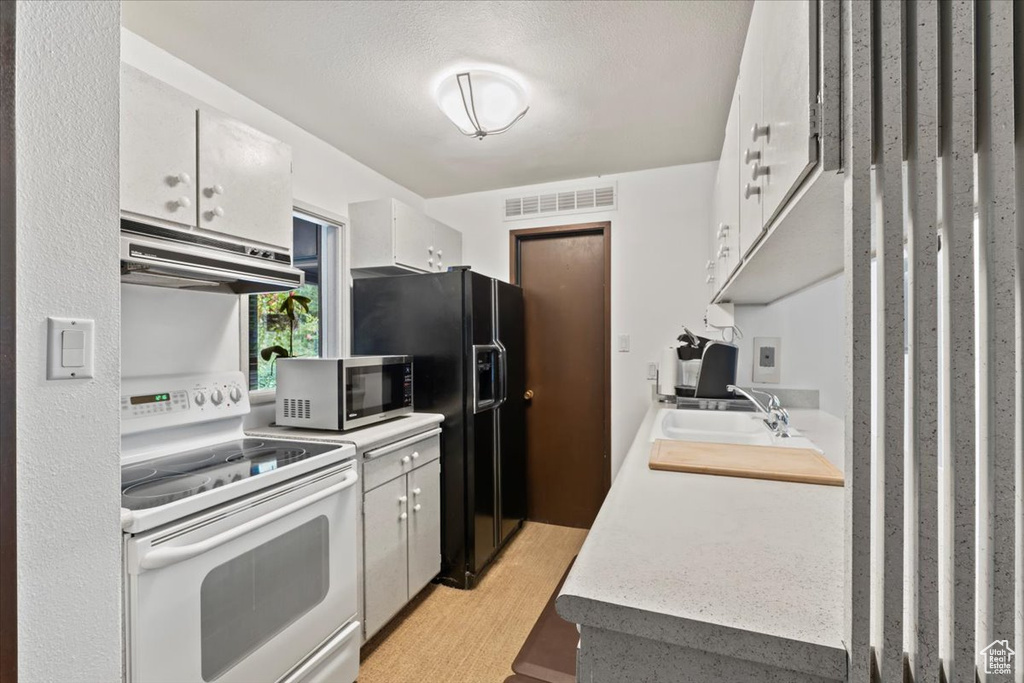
283	327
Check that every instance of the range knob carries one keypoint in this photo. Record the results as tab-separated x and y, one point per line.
217	397
235	394
200	398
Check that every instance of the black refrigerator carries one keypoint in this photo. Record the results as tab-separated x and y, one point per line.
465	333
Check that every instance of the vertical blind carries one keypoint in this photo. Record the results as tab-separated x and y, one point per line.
933	132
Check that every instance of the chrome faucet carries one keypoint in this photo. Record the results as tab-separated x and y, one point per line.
776	417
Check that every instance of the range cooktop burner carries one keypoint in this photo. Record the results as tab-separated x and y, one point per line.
172	477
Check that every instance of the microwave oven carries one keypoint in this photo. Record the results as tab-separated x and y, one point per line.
343	393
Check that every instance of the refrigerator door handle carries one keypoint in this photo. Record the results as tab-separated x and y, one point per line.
502	373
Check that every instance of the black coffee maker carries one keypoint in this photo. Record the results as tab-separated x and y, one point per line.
719	361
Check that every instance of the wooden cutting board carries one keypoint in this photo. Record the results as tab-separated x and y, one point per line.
801	465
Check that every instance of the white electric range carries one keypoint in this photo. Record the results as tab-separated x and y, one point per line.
239	553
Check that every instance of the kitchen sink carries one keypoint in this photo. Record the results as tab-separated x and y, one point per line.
721	427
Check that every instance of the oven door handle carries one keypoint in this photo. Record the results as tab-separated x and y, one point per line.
163	557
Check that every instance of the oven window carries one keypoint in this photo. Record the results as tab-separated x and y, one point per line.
373	390
251	598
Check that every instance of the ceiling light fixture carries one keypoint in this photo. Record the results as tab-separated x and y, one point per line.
482	103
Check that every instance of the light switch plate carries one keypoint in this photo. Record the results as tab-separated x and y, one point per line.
69	343
652	371
623	343
767	360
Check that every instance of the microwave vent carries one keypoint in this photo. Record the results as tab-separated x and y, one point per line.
296	408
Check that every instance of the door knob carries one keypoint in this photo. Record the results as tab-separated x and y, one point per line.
528	395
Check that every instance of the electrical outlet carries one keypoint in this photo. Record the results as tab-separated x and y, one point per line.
767	360
652	371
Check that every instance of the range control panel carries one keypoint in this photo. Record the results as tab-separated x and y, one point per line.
167	401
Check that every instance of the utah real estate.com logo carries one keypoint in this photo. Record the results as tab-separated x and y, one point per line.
997	658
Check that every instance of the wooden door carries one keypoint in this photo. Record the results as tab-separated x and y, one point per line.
385	553
424	525
565	276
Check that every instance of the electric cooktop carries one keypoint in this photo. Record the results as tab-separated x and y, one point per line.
169	478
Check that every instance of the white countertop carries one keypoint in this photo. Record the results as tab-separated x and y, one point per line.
742	567
364	439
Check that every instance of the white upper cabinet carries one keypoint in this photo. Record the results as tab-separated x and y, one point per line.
390	238
158	151
245	181
726	225
185	166
788	92
787	157
751	124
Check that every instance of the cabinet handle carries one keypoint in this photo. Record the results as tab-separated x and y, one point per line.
415	455
710	265
184	202
751	190
184	178
215	189
417	491
404	516
758	170
757	132
723	230
403	499
430	249
416	508
709	279
216	212
723	251
405	460
430	261
751	155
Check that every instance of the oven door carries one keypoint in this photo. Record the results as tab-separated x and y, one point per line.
246	591
375	389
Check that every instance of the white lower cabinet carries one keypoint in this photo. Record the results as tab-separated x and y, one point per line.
401	530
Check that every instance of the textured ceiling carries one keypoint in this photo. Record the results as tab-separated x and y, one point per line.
613	86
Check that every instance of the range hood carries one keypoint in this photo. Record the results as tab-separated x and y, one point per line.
164	257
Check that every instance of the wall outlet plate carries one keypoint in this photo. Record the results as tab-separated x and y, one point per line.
767	360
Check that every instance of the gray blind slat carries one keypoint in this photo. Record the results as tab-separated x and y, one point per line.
997	174
959	345
857	85
891	450
923	481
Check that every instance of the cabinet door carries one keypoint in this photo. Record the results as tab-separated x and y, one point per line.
424	525
727	197
158	150
447	246
751	115
414	238
790	88
245	182
385	553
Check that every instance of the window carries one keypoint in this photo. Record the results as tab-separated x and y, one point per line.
302	322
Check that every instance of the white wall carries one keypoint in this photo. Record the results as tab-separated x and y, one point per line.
811	325
176	332
660	236
69	543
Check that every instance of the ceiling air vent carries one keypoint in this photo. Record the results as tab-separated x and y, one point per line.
583	200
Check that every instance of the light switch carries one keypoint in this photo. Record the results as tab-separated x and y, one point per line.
623	343
70	348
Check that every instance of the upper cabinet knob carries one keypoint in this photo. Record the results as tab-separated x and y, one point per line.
751	155
758	170
403	499
430	261
757	132
235	394
218	211
415	454
417	491
751	190
430	249
723	230
184	202
184	178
